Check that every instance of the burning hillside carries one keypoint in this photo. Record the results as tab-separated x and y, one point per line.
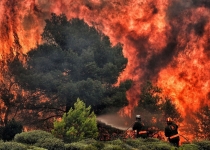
166	42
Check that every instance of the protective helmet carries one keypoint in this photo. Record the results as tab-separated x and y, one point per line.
138	116
169	120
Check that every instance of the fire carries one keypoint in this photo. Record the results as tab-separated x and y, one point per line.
165	41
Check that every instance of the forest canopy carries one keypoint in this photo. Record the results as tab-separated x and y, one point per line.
76	61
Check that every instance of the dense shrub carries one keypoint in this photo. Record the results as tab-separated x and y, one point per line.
151	140
159	146
119	143
11	129
90	147
150	143
35	148
32	137
75	146
189	147
88	141
135	143
86	144
12	146
99	145
79	123
203	145
115	142
51	143
113	147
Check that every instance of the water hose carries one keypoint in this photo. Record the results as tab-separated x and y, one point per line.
185	138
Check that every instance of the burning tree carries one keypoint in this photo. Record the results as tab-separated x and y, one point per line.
156	107
201	124
76	61
11	97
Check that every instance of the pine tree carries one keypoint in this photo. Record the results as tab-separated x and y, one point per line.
77	124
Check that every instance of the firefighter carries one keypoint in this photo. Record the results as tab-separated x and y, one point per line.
171	132
139	128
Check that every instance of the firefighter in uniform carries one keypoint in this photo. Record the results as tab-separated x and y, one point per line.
139	128
171	132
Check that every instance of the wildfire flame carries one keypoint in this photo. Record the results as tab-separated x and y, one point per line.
165	41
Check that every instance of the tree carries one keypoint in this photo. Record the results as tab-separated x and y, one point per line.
11	97
11	129
201	122
77	124
150	97
170	110
76	61
155	107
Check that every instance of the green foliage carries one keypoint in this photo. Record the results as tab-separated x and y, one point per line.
158	146
152	144
50	143
134	142
32	137
11	129
203	144
189	147
92	144
80	146
99	145
12	146
156	107
150	97
112	147
35	148
115	142
75	61
77	124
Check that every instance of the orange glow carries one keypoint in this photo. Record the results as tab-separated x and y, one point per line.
164	41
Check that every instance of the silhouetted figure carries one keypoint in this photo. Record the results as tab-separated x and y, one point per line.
139	128
171	132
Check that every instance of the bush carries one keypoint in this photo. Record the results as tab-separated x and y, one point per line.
115	142
151	140
134	142
112	147
12	146
189	147
35	148
99	145
159	146
203	145
11	129
75	146
87	144
51	144
88	141
79	123
32	137
90	147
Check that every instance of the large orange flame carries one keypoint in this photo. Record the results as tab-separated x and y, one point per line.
165	41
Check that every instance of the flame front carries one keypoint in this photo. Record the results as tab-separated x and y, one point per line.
165	41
